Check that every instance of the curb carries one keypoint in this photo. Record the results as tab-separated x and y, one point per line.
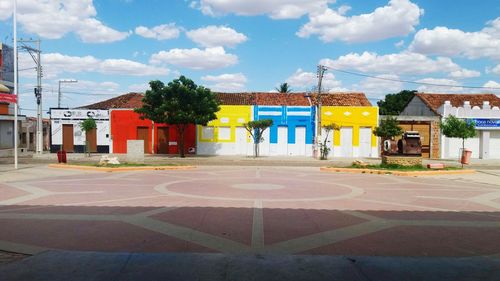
120	169
397	173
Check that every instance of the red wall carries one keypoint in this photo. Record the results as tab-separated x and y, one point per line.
124	125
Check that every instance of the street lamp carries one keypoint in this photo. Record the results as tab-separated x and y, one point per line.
59	92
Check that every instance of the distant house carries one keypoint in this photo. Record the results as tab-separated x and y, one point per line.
483	109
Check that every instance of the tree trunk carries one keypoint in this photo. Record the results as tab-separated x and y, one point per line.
181	129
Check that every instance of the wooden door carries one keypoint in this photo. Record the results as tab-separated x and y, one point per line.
163	139
68	141
143	134
91	137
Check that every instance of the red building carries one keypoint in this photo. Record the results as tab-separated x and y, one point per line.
125	125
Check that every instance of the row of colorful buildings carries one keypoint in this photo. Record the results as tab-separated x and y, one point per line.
292	133
294	125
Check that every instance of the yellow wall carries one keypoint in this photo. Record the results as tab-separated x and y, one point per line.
351	116
228	116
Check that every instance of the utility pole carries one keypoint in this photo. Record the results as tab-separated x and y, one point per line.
320	72
35	55
16	86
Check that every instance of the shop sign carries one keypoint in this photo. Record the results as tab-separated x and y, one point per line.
486	123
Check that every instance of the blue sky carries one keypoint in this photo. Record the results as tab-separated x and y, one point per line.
116	46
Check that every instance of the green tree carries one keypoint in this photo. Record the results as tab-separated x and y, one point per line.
388	128
393	104
284	88
88	125
453	127
179	103
324	149
256	130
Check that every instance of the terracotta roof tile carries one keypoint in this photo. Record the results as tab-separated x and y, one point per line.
130	100
434	101
344	99
236	98
291	99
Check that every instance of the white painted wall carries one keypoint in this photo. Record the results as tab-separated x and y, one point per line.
453	145
346	142
365	142
495	144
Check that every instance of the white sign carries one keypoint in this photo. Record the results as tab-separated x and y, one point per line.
78	114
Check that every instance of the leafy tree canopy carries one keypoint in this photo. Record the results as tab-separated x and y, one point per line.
88	125
454	127
393	104
256	130
180	103
389	128
284	88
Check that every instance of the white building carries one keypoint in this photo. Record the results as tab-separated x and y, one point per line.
67	134
483	109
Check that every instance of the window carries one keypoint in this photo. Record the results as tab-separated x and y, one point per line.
207	133
224	133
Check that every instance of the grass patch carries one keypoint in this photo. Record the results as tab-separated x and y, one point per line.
395	167
89	164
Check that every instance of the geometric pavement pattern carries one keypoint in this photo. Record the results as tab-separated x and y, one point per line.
252	210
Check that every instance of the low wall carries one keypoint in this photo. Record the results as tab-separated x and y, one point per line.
402	160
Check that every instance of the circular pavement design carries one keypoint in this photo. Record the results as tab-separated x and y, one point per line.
251	210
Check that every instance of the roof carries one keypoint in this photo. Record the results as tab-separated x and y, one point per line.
134	100
236	98
130	100
344	99
434	101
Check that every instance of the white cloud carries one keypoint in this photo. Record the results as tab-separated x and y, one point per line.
455	42
209	58
275	9
398	18
492	84
495	70
404	62
53	19
226	82
307	80
56	63
379	87
454	86
215	36
464	73
160	32
399	44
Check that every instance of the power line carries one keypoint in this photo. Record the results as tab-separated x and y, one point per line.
409	81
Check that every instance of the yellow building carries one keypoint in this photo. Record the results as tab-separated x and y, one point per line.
226	135
357	119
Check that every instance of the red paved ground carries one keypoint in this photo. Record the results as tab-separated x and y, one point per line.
252	210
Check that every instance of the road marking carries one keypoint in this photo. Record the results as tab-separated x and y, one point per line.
258	226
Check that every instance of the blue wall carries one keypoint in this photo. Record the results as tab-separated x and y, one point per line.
289	116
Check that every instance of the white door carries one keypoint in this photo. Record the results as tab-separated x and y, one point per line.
365	142
241	141
282	140
300	141
495	144
346	141
264	147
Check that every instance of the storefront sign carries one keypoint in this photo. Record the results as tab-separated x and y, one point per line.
486	123
78	114
10	98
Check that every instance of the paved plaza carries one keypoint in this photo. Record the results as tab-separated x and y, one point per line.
252	210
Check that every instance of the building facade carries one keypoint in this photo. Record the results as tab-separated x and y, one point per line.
158	138
483	109
355	137
66	133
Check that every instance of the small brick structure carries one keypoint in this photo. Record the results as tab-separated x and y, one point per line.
402	160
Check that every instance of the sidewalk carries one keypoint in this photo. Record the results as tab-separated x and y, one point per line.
200	160
63	265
